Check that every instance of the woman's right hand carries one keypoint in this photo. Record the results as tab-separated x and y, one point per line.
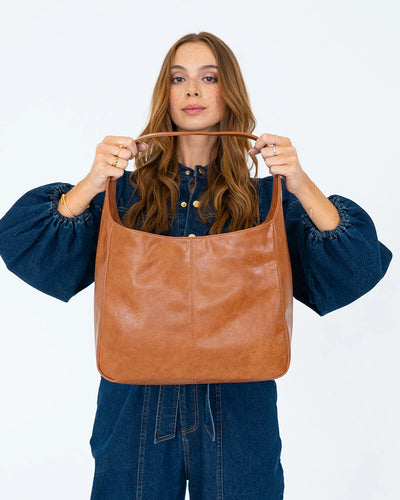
105	155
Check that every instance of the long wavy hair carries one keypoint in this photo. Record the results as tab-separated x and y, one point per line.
231	194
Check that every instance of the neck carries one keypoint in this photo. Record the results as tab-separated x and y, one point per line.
194	150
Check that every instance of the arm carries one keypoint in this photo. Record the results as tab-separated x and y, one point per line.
52	252
321	210
79	198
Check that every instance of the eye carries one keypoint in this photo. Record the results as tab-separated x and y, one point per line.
212	77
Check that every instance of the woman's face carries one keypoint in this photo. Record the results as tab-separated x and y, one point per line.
193	84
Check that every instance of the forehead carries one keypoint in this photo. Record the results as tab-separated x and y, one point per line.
193	56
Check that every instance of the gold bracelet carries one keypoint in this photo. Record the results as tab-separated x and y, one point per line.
63	197
314	196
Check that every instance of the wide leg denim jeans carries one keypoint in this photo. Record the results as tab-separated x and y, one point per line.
222	438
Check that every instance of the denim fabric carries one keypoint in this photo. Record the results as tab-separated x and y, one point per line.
147	440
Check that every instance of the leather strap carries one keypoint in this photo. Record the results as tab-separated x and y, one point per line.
276	185
196	132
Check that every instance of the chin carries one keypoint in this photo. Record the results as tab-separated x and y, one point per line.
191	125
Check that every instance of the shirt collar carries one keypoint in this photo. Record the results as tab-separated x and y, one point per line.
198	171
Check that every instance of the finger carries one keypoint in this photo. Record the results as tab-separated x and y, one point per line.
141	146
114	150
127	142
121	163
268	151
256	151
278	169
113	172
267	139
125	152
273	161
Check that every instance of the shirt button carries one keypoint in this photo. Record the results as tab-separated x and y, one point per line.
196	203
201	170
191	235
187	172
183	204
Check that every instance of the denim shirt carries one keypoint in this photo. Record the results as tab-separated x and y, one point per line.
56	254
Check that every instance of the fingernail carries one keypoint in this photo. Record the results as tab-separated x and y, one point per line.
252	151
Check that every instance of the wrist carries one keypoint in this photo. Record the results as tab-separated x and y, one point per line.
76	200
307	190
87	188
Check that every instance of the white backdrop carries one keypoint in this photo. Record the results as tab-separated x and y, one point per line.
324	74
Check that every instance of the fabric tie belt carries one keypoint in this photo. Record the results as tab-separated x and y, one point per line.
169	397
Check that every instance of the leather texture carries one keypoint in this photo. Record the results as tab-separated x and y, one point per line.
184	310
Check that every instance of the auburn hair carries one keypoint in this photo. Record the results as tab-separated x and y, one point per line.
231	194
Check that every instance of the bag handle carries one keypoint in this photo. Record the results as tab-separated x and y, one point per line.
196	132
276	185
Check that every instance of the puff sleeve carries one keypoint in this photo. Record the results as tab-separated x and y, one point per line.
52	253
333	268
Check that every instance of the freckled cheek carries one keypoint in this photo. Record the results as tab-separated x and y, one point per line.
219	102
173	103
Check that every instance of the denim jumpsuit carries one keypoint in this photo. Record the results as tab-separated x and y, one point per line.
148	440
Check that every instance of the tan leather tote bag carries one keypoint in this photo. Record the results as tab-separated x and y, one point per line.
188	310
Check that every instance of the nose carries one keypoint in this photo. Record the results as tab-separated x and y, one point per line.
191	88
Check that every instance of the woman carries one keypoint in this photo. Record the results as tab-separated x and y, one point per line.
147	440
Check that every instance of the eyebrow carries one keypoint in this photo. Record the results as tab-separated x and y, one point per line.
177	66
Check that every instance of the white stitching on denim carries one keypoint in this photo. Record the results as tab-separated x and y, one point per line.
184	443
220	478
142	443
157	433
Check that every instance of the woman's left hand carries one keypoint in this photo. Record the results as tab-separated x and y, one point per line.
284	162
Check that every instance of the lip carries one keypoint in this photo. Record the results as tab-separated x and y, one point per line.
192	106
193	110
